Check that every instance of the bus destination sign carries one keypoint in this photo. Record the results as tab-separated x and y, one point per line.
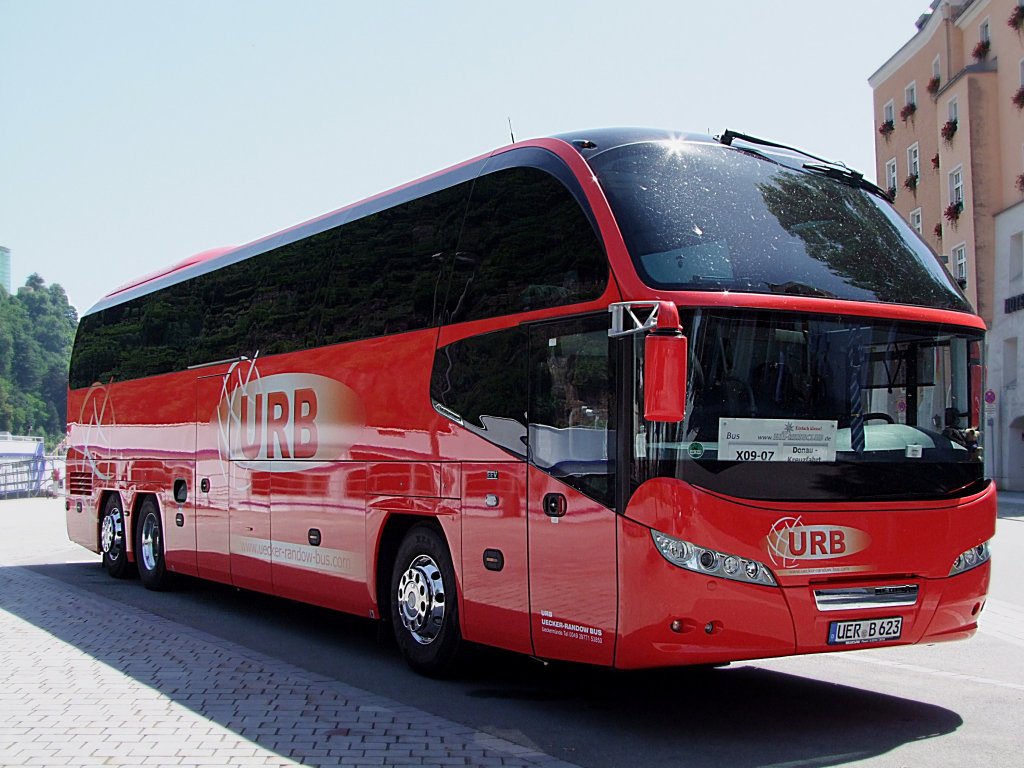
805	440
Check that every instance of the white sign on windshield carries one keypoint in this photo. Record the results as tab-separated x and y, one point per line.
776	440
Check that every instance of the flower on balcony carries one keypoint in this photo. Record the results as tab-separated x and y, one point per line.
1016	20
948	129
907	113
933	85
1020	183
953	211
938	231
911	183
981	50
886	129
891	191
935	161
1018	97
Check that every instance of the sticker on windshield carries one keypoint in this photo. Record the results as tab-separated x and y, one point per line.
809	440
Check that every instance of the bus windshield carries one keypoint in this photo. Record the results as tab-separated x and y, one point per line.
698	216
803	407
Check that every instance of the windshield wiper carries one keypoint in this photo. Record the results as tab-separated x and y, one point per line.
848	176
790	288
728	137
831	168
794	288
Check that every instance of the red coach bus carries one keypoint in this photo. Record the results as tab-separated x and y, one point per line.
623	397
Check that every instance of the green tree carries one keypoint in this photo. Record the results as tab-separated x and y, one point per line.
37	329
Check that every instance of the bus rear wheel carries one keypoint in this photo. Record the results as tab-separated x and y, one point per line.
149	547
112	539
424	606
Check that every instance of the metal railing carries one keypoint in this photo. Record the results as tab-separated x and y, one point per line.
25	473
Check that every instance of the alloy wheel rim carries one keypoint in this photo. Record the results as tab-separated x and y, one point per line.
111	534
421	599
150	542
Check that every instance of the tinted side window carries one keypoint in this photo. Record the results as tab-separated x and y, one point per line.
270	303
142	337
385	270
526	245
482	381
571	413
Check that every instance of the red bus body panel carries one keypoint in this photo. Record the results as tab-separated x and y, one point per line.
881	544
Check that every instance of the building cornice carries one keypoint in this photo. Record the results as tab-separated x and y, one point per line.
971	12
910	49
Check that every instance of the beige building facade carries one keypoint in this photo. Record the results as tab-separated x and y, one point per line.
949	141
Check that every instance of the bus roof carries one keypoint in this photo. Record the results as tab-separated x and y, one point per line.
587	143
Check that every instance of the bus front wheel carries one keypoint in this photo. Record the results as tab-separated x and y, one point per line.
424	606
149	546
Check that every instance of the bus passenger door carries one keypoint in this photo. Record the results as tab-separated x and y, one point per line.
211	485
571	523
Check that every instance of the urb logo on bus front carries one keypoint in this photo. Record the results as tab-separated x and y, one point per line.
790	541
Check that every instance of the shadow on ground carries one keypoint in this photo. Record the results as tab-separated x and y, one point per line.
741	717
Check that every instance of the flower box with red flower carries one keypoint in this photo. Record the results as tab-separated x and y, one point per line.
938	231
935	161
907	113
953	211
1018	97
947	131
1016	20
933	85
886	128
981	50
911	182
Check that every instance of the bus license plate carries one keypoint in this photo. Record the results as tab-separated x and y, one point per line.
865	631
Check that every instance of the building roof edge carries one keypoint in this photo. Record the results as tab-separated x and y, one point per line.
907	51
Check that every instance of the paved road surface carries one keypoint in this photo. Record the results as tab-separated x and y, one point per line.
95	671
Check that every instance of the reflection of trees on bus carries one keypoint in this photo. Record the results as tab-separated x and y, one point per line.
522	244
844	230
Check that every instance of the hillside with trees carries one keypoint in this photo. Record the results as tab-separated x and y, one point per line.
37	328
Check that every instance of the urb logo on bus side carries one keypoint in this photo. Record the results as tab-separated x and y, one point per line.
293	420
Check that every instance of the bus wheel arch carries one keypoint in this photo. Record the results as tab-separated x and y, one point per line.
113	536
148	535
421	595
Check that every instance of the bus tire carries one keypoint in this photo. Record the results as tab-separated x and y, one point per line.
424	604
149	546
113	542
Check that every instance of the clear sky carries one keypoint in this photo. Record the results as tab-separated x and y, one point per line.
134	133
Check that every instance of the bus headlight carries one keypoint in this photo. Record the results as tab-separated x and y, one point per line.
710	562
971	558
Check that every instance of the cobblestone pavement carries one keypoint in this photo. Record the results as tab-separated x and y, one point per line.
85	681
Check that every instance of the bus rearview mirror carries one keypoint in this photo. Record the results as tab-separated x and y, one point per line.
665	376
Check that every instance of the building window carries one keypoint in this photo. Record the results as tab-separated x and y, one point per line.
889	112
956	185
910	94
1010	362
915	220
985	31
954	110
936	66
1021	73
1016	264
913	160
890	175
960	264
